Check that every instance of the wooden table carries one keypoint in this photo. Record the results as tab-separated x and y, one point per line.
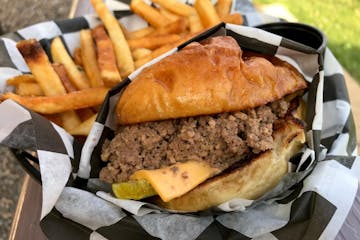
26	219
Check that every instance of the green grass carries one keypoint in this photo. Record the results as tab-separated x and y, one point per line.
338	19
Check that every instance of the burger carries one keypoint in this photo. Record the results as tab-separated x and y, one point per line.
205	125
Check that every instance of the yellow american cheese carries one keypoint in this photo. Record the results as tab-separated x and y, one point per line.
178	179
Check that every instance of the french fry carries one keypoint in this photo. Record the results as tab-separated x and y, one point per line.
195	23
223	7
157	52
169	15
84	128
234	18
61	72
174	27
140	33
29	89
106	57
142	61
45	75
153	42
57	104
40	66
60	55
150	14
55	118
77	56
175	6
85	113
88	56
24	78
140	53
163	49
122	51
69	120
207	13
124	30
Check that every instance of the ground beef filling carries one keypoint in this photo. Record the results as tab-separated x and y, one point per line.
220	140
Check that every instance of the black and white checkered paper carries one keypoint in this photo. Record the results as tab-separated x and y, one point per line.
318	201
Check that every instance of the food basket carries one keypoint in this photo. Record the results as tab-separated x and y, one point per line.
305	205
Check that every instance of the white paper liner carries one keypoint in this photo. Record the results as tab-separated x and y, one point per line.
9	122
257	221
135	207
325	181
87	209
53	179
174	226
91	211
236	204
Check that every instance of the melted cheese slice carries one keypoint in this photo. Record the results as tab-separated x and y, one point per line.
178	179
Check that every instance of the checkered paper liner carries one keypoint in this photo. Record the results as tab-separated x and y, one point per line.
303	208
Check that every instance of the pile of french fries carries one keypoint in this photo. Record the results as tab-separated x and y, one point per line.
69	90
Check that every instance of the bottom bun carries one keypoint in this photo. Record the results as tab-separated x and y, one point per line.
250	181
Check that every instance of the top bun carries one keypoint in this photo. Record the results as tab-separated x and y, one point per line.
206	78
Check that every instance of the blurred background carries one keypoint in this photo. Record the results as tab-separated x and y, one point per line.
338	19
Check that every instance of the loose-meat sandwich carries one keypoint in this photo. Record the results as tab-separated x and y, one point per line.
205	125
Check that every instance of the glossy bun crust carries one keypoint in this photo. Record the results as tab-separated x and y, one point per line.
205	78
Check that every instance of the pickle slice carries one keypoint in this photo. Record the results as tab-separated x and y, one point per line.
133	189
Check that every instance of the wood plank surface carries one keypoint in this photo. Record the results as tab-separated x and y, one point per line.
26	219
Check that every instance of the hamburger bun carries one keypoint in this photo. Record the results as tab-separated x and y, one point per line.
207	78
